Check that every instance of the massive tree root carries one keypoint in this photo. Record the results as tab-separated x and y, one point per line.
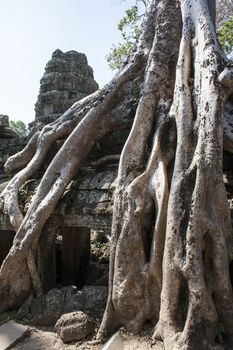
86	123
171	231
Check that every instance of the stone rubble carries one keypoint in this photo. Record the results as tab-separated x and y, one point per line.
47	309
74	326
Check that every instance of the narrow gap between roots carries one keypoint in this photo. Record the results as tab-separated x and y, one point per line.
148	230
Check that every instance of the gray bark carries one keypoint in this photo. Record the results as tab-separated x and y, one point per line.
171	231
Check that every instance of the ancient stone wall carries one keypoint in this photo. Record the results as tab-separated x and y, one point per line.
6	133
87	202
10	142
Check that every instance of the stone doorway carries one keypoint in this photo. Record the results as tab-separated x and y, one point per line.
64	256
75	255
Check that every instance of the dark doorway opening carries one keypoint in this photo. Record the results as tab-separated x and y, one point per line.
73	256
6	241
231	271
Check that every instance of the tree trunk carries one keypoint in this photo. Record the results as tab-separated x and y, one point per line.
171	231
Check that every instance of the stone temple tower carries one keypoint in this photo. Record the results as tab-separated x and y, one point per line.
67	78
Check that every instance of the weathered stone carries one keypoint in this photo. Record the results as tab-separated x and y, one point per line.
5	131
114	343
4	120
48	308
10	332
74	326
10	143
67	79
43	340
97	274
94	298
87	201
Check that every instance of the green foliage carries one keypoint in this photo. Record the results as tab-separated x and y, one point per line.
129	26
225	35
100	251
19	127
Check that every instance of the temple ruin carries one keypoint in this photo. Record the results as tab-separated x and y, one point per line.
64	252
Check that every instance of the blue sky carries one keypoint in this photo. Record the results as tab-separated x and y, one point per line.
30	30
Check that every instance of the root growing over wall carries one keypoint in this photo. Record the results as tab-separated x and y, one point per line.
171	231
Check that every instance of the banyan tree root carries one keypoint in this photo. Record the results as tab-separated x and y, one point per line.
32	156
171	232
86	122
182	280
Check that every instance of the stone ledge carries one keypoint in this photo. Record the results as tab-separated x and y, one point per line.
114	343
10	332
